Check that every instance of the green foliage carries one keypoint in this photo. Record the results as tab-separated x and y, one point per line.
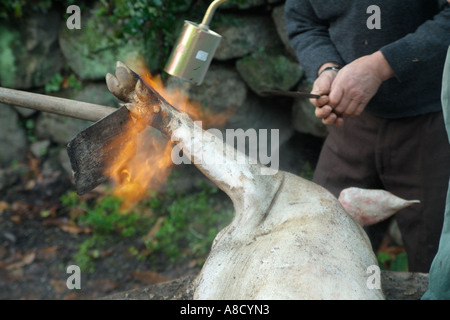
29	125
192	222
54	84
57	82
184	224
106	221
383	259
307	171
18	9
71	200
387	261
157	21
74	83
105	218
400	263
85	256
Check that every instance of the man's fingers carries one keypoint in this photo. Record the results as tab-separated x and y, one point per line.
330	120
329	116
339	121
360	108
323	100
320	91
333	119
336	96
351	109
323	112
319	102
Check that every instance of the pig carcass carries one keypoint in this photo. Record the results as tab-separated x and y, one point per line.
289	238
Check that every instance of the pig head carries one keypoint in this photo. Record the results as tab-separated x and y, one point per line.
289	239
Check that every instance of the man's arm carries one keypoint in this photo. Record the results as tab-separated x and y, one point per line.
421	48
309	37
354	86
359	81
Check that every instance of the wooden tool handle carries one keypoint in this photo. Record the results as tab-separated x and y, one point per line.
61	106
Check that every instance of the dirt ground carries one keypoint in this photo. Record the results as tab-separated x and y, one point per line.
35	251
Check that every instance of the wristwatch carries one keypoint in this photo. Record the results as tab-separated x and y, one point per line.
335	68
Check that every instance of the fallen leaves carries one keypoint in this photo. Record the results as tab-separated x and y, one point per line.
67	225
149	277
392	257
13	266
150	236
4	206
20	210
59	286
48	252
89	290
21	260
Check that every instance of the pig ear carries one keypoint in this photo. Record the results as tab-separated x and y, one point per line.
123	83
370	206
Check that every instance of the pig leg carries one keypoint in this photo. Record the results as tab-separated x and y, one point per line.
251	191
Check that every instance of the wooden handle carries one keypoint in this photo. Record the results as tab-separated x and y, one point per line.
61	106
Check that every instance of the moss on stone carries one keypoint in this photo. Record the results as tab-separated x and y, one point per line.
92	51
264	70
7	57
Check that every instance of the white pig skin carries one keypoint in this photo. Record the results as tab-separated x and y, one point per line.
289	239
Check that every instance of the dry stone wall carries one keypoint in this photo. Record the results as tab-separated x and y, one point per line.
254	55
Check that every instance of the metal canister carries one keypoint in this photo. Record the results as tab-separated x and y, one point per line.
193	53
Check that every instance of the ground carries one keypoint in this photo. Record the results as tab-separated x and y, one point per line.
36	249
38	243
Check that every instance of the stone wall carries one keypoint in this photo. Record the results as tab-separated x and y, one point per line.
253	55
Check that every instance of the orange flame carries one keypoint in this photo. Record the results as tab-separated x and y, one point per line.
144	162
180	99
145	159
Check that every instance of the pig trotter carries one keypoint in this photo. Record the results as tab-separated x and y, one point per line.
143	102
122	84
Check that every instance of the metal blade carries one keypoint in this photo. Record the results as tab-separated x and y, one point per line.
90	151
292	94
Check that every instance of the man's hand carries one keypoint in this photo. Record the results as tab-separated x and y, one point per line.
322	86
357	83
351	88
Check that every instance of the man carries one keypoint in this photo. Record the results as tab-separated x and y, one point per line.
381	87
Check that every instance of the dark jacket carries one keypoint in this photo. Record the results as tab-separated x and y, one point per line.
414	38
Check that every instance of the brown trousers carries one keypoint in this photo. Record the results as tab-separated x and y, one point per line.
409	157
